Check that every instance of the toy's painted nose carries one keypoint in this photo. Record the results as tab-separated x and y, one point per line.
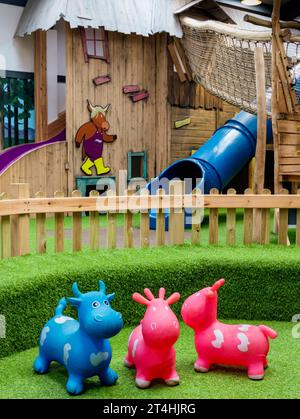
99	318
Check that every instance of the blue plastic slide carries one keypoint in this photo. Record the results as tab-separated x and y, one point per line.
218	161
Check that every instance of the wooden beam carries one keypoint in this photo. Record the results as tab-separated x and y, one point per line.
40	86
70	100
260	157
268	23
177	62
275	101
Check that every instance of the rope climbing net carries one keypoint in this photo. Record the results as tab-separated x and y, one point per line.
222	59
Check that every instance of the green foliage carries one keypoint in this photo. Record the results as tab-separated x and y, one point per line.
262	283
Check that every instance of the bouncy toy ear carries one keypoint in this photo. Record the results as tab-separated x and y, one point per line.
173	298
218	285
102	287
75	290
74	302
138	298
110	297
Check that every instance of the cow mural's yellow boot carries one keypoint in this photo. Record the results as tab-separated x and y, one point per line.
86	167
100	168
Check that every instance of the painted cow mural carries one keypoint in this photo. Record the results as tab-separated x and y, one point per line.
223	344
82	345
92	135
151	345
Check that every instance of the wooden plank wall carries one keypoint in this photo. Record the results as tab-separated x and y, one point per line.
141	126
202	126
43	169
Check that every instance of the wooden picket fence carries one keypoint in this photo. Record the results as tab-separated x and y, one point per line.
16	213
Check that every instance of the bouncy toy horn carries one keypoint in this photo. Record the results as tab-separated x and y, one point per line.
138	298
218	285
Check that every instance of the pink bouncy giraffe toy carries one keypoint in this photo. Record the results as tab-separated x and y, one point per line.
218	343
150	346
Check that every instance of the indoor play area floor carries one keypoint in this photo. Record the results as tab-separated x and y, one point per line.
282	379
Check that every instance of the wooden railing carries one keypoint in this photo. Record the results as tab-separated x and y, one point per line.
16	215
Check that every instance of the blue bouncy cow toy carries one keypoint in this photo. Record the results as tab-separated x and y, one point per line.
81	346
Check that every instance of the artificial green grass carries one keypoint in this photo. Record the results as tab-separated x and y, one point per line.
262	283
282	379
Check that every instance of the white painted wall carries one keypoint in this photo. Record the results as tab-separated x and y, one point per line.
17	54
61	51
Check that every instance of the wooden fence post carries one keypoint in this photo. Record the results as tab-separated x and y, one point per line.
5	233
128	225
59	227
283	222
94	225
248	222
196	221
41	235
160	222
20	224
265	222
213	221
77	226
145	223
231	222
176	216
111	225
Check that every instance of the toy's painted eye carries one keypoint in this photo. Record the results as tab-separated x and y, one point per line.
96	304
106	303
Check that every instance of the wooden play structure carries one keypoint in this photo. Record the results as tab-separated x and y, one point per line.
167	97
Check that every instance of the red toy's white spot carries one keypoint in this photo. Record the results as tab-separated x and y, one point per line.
218	342
243	346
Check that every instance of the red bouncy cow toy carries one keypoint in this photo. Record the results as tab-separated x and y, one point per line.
150	346
218	343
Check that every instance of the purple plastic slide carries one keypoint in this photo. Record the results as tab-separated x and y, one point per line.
12	155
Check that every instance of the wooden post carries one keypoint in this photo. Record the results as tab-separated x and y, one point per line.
283	222
213	221
20	240
59	232
145	224
40	86
160	223
5	233
128	226
77	226
196	221
70	99
248	222
260	156
41	236
265	222
231	222
94	225
176	217
275	99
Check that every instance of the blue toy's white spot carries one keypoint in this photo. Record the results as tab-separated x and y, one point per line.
96	359
44	334
62	319
67	349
